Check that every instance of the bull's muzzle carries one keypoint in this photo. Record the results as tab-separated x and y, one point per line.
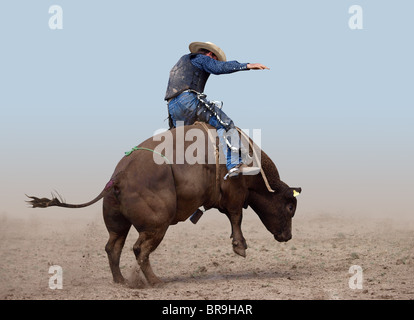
283	237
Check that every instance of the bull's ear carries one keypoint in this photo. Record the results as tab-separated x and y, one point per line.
296	191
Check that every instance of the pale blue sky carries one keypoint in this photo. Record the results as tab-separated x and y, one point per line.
335	110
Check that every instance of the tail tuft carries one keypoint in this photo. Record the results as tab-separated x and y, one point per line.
43	202
58	201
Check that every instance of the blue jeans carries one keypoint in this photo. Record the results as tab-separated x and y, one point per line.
184	108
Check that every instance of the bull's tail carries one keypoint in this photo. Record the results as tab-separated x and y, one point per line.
58	202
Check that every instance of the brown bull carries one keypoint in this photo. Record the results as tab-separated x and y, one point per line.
152	196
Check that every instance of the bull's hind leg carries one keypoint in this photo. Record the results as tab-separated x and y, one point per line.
118	228
147	242
113	249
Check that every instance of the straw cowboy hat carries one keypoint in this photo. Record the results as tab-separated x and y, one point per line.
195	46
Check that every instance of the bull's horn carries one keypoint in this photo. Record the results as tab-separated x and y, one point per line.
295	193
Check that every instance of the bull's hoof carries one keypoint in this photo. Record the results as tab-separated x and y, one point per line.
135	280
156	282
120	280
239	248
153	280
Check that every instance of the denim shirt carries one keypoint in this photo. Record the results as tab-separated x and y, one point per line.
217	67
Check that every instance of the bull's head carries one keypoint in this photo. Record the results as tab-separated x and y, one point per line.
276	210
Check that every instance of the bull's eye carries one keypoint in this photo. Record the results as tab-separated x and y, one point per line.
290	208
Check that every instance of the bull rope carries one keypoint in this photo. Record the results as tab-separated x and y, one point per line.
147	149
257	160
217	154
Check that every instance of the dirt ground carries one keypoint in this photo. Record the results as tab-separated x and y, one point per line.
197	261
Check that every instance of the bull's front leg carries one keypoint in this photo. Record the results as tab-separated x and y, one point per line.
239	243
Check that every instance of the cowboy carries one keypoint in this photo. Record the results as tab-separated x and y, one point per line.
187	103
